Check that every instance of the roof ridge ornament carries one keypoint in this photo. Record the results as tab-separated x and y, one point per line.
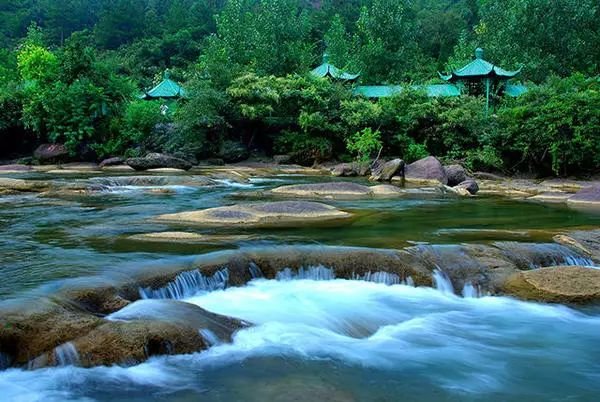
479	52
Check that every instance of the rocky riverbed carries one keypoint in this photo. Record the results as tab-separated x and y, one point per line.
113	267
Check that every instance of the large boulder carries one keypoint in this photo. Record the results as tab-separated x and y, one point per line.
556	285
233	151
426	171
587	197
266	213
387	170
51	153
27	332
456	174
156	160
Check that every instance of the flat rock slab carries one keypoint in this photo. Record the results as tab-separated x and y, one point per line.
557	285
552	196
188	237
336	190
267	213
588	196
23	185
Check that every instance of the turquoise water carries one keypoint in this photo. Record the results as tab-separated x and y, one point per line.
335	340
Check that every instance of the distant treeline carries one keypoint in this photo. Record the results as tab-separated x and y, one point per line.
70	71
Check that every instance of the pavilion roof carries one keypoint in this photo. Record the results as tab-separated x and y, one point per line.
329	70
166	89
479	68
382	91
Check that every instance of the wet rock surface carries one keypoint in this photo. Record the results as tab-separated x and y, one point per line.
277	213
188	237
556	285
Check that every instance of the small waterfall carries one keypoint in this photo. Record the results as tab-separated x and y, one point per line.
533	255
255	271
66	355
471	291
385	278
188	284
210	337
318	273
442	282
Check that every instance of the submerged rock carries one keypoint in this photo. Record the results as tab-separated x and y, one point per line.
557	285
266	213
188	237
156	160
24	185
426	171
387	170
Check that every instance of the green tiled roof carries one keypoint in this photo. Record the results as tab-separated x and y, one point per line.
479	68
331	71
166	89
515	91
382	91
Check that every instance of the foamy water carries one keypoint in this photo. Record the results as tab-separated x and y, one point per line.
354	340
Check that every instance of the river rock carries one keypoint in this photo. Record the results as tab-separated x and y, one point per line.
551	196
469	185
587	197
180	313
112	162
585	241
188	237
281	159
51	152
28	332
134	342
15	168
24	185
456	174
387	170
156	160
351	169
426	171
556	285
336	190
266	213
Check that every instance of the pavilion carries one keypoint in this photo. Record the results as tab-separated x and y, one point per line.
327	70
166	89
481	77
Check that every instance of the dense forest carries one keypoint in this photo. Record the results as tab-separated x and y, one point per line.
71	72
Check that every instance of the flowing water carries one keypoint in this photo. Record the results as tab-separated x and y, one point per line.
375	337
